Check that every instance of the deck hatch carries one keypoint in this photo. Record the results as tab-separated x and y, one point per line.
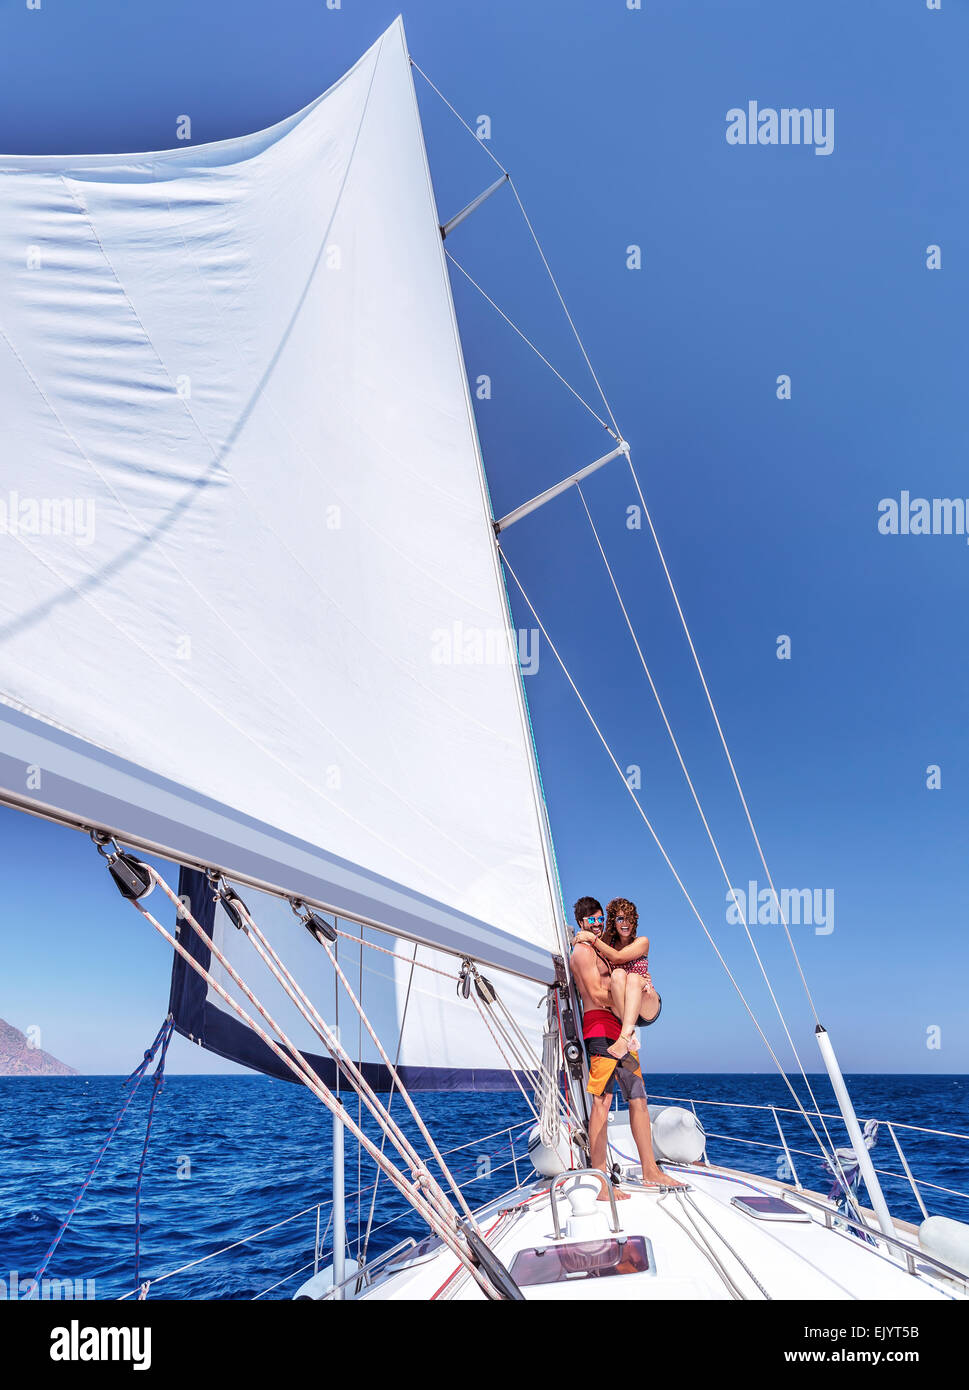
769	1209
587	1259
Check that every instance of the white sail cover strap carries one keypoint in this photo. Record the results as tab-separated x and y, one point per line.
250	608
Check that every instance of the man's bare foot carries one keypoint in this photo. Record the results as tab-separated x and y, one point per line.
619	1195
619	1048
658	1176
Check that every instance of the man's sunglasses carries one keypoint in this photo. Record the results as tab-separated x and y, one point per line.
596	921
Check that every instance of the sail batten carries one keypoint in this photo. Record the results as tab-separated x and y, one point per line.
250	610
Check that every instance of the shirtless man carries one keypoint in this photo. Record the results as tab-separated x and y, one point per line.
600	1027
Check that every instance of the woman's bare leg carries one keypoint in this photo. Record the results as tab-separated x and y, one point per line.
632	1005
617	987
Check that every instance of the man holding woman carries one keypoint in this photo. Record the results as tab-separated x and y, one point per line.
609	1014
626	955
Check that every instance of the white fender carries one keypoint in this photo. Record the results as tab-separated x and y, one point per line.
318	1286
947	1240
548	1162
678	1136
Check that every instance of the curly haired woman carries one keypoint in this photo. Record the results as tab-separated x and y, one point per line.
634	999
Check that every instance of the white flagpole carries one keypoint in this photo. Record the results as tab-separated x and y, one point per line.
339	1208
879	1205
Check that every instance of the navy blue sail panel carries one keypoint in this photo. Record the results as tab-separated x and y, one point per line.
202	1017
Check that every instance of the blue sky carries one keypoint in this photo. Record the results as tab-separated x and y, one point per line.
757	261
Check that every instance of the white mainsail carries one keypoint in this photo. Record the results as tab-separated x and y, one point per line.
250	608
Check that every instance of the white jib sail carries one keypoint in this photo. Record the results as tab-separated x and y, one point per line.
439	1039
250	610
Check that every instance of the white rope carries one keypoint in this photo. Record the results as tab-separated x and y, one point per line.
509	1064
398	1083
548	1081
690	1230
549	1120
372	945
354	1074
296	1062
662	850
686	1200
519	1061
543	1085
298	997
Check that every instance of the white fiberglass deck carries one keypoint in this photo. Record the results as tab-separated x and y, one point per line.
697	1246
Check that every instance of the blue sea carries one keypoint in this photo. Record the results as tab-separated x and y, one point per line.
231	1156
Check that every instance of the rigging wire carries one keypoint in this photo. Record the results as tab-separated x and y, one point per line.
522	1053
699	807
423	74
538	353
683	622
442	1223
565	309
656	541
509	1064
723	740
390	1099
161	1040
693	1234
546	1088
401	1088
332	1042
538	245
421	964
359	1096
831	1157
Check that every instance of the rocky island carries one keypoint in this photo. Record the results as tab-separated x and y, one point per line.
18	1057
